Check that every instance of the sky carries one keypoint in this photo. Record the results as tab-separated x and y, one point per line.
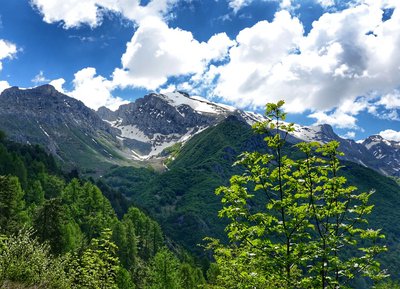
331	61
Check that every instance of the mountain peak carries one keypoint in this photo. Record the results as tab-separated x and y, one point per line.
197	103
10	90
46	89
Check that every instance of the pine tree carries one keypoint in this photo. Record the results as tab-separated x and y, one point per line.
12	205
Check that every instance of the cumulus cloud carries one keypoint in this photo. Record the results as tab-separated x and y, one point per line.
337	118
236	5
260	48
74	13
40	78
58	84
347	54
390	100
3	85
92	89
157	52
326	3
390	134
7	50
349	135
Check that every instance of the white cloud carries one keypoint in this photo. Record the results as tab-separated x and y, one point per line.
337	118
349	135
58	84
157	52
390	134
244	80
40	78
326	3
93	90
74	13
390	100
3	85
347	54
7	50
236	5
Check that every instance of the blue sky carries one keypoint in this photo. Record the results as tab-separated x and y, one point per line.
333	62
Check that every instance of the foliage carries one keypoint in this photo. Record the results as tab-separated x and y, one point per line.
388	285
312	229
12	205
24	260
164	271
98	267
72	219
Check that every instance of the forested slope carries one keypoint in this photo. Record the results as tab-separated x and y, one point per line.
57	231
182	199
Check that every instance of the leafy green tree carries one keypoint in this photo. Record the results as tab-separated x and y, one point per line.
311	231
52	185
388	285
98	266
12	205
164	271
25	262
124	279
35	194
191	277
149	233
73	238
125	238
49	223
88	207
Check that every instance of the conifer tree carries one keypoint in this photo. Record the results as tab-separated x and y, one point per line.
12	205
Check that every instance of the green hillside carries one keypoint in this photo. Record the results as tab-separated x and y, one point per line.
182	199
60	231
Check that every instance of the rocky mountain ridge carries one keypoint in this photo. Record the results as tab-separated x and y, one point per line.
68	129
156	121
141	130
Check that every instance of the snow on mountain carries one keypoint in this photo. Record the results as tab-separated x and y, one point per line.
197	103
157	121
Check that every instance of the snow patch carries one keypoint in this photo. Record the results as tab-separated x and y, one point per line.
45	132
133	132
197	103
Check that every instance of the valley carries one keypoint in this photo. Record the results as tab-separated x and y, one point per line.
167	154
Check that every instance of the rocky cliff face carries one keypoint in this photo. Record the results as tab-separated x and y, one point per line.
374	152
142	129
64	125
385	153
157	121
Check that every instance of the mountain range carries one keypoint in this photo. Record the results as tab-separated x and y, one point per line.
192	144
137	133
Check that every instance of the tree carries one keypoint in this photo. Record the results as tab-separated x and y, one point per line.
12	205
26	263
98	267
310	231
164	271
53	225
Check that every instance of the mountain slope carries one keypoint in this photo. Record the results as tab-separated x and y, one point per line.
138	132
183	198
63	125
157	121
374	152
